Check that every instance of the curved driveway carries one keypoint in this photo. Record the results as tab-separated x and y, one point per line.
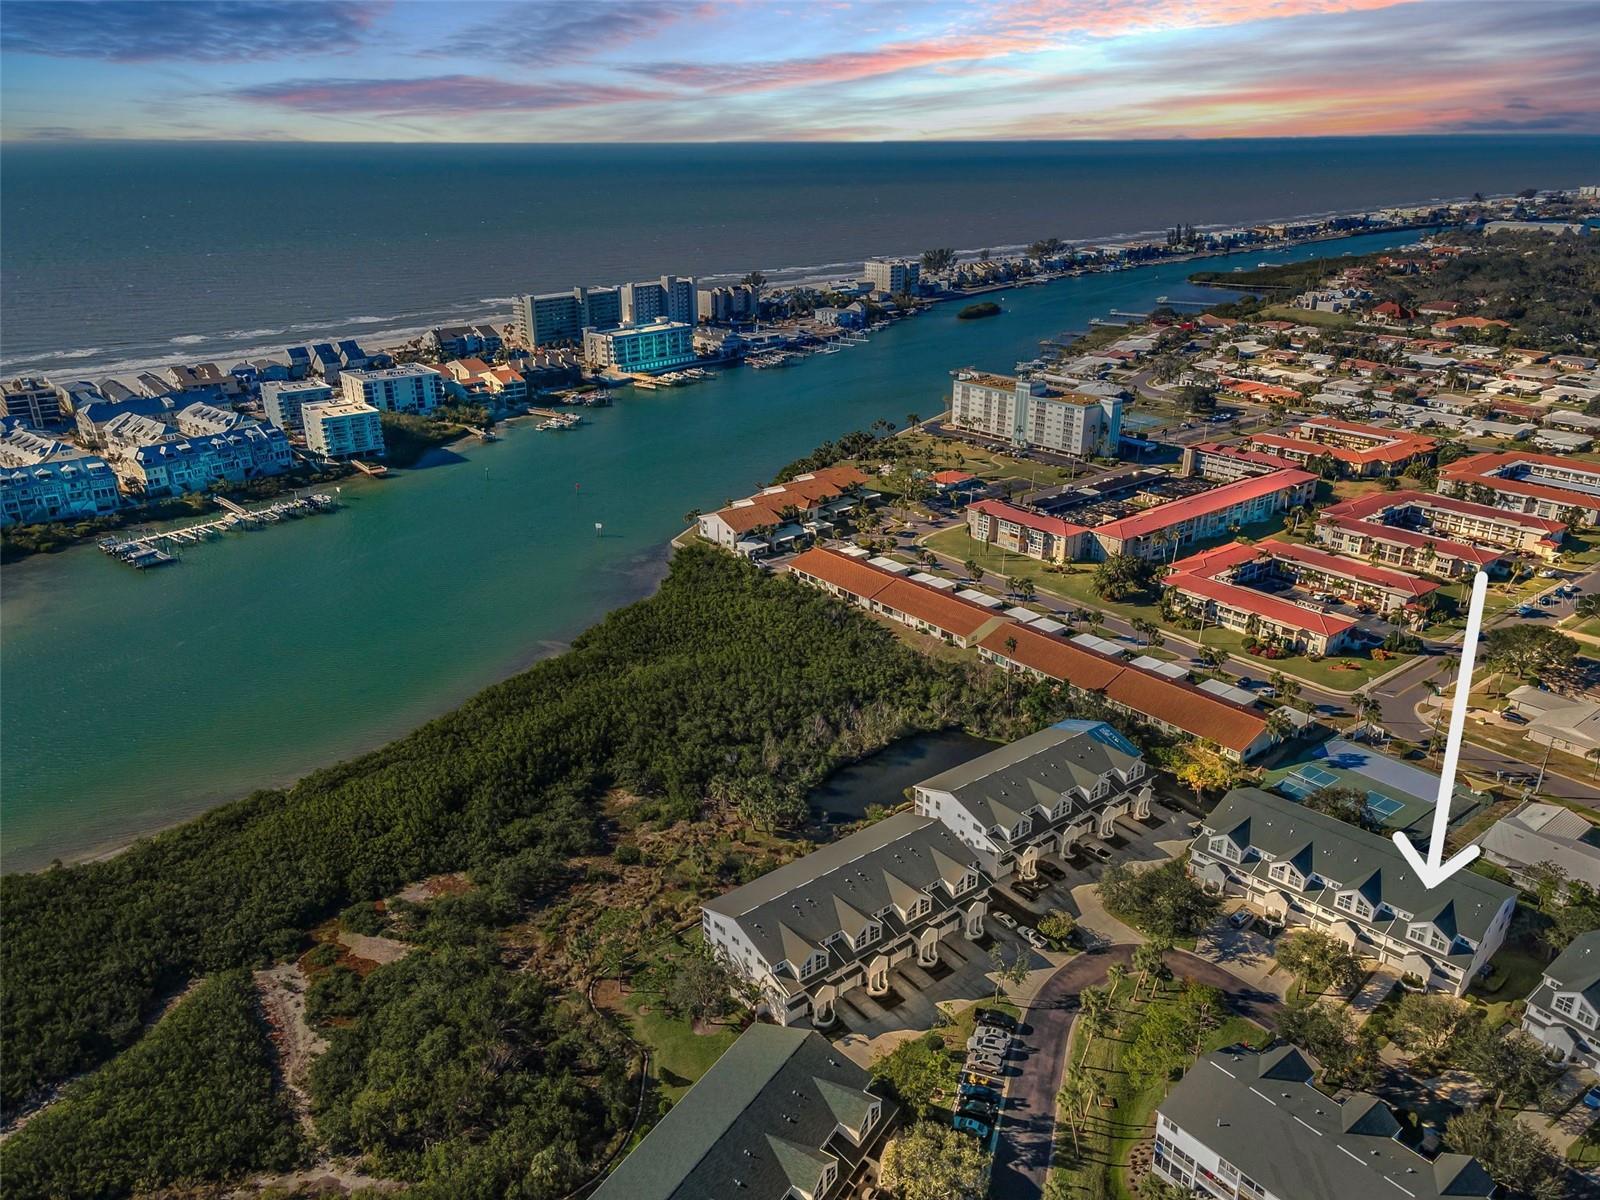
1028	1129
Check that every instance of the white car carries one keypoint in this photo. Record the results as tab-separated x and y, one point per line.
1006	919
989	1044
1032	936
983	1061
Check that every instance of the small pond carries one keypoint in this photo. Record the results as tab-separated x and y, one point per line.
884	777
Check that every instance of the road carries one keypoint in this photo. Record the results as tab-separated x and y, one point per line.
1028	1129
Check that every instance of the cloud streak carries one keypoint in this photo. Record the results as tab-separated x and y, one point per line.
135	31
439	95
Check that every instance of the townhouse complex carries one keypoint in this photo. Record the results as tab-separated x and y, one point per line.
1356	451
1304	868
1434	534
1563	1012
786	513
844	916
1540	485
1251	1125
781	1114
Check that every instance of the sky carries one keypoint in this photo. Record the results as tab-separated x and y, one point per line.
771	70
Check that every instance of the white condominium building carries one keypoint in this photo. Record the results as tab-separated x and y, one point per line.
1035	414
343	429
893	276
283	399
409	389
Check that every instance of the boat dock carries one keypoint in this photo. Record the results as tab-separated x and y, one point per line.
150	549
376	470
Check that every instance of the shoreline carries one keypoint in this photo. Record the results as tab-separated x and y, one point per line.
647	571
458	312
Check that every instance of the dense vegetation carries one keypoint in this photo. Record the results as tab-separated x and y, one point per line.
859	443
1547	288
984	308
726	674
446	1069
193	1102
407	437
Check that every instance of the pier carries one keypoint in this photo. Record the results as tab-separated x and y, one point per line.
150	549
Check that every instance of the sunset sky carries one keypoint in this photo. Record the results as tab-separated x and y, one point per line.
718	70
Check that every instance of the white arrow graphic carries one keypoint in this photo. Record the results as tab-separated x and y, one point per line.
1433	871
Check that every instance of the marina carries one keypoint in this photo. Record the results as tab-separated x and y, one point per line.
154	549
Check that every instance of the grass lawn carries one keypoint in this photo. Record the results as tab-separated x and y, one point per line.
1589	628
1585	1152
989	464
1518	966
678	1054
1305	316
1510	740
1111	1134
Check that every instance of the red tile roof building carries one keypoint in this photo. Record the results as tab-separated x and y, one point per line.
1225	586
1361	451
1437	535
760	519
1154	532
1170	705
1542	485
887	594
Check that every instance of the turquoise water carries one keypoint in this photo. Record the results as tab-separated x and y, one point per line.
132	700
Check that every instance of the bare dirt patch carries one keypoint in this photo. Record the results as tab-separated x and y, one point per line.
283	1005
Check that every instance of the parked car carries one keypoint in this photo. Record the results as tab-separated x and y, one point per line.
1271	693
1527	610
999	1020
1242	919
1514	717
1052	870
978	1091
979	1111
989	1079
1591	1098
990	1041
981	1063
1006	919
1549	573
970	1125
1028	889
1100	850
1032	936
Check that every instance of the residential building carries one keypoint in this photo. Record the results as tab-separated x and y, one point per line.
893	276
1276	590
202	377
786	513
1038	796
458	341
670	298
126	433
1542	485
840	918
179	466
1536	833
508	386
1033	413
1156	525
95	418
1226	463
1173	706
45	479
33	400
283	400
408	389
325	361
200	419
1251	1125
1359	451
343	429
1306	869
559	318
726	305
782	1114
661	346
1436	535
1563	1012
1569	723
885	593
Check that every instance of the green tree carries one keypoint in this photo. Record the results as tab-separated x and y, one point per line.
1516	1158
1058	925
1120	576
1319	960
919	1072
934	1162
1347	804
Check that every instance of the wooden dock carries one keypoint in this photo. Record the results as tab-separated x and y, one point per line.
151	549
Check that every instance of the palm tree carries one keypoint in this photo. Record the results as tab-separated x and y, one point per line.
974	571
1593	755
1115	974
1026	589
1094	1017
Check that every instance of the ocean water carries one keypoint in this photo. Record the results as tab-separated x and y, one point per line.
131	700
118	254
